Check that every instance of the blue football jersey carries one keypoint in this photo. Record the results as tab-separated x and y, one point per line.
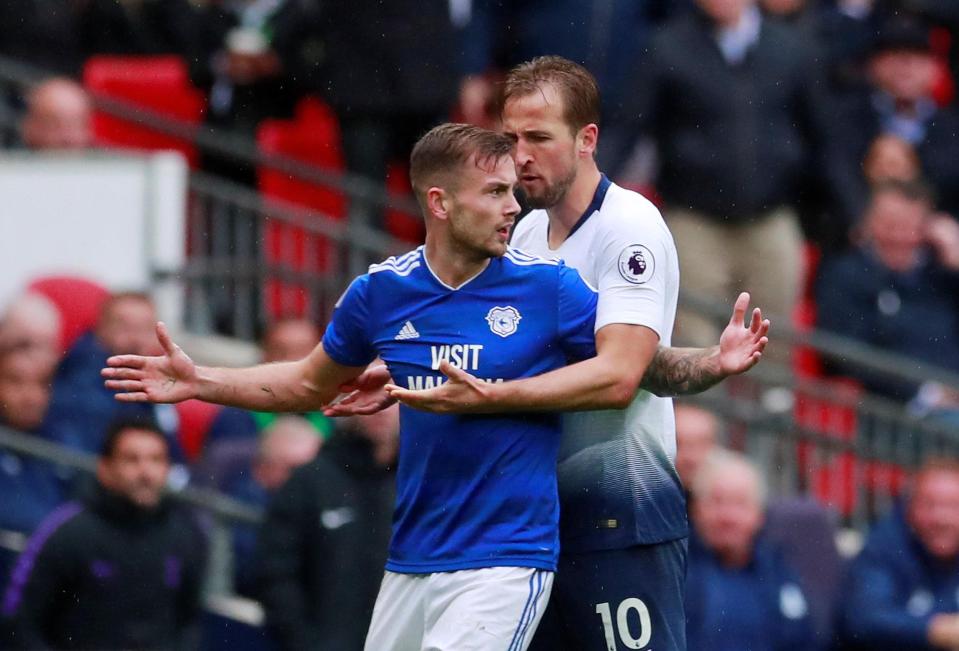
472	490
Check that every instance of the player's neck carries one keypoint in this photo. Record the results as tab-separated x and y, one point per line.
564	215
451	266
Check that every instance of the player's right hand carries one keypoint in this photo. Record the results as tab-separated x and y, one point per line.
171	377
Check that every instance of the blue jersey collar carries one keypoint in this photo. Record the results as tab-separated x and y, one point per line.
593	206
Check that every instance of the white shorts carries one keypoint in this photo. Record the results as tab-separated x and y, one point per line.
489	609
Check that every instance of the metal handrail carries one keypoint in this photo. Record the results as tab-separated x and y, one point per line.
307	220
217	503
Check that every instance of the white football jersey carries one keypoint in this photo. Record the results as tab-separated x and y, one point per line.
618	485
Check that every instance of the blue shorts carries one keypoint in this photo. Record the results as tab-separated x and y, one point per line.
617	600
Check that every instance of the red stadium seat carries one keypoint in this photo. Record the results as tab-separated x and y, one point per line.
401	224
313	137
944	89
158	83
77	299
806	362
196	417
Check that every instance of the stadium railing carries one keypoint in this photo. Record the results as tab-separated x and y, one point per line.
826	436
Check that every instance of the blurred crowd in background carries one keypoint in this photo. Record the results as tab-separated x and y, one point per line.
805	150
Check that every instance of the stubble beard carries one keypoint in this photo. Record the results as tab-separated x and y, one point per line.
554	193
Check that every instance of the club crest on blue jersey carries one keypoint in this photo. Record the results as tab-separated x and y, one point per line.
636	264
503	320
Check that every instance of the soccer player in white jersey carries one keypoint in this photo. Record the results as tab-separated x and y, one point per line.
623	524
475	536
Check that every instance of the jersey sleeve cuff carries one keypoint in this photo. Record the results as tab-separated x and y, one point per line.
628	319
343	359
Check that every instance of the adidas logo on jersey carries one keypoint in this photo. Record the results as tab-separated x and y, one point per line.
407	332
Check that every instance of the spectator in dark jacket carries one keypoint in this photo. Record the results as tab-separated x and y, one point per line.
905	272
389	70
903	589
44	34
122	569
284	446
138	27
323	546
252	60
899	101
605	37
29	487
82	408
735	105
741	595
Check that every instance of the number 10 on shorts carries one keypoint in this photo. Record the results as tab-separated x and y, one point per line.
622	624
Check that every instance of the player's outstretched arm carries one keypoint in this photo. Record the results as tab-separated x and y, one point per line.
303	385
607	381
684	371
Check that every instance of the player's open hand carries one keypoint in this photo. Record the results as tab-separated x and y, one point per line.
364	395
741	346
171	377
461	393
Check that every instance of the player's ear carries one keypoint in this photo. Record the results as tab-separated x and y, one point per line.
438	202
587	139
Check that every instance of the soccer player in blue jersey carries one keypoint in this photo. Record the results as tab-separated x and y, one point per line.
623	529
475	539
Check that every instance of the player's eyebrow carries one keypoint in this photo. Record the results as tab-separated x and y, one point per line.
497	185
535	134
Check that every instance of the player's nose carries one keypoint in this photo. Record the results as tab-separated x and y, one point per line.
512	207
522	154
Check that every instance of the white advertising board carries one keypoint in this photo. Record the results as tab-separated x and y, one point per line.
113	219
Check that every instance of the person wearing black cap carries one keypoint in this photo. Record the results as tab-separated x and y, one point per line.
899	101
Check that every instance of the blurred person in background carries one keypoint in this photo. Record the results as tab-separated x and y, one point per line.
138	27
290	339
896	290
120	570
81	407
741	594
890	158
899	100
736	107
389	71
44	34
29	487
31	326
287	444
253	59
58	117
323	545
903	589
605	37
697	436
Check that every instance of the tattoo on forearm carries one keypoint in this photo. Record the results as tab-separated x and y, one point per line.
681	371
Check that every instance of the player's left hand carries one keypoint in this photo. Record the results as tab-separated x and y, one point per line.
461	393
364	395
741	346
